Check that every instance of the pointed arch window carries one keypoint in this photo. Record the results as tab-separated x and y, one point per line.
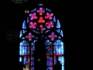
41	21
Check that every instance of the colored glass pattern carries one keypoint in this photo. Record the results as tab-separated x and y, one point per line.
33	16
48	15
52	36
41	21
29	36
40	11
32	25
24	25
49	25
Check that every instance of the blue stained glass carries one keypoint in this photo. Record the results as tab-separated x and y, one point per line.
61	33
32	47
49	61
61	59
59	43
54	49
25	50
62	67
20	59
24	31
24	43
59	49
34	41
25	60
24	24
23	47
54	19
47	42
58	30
20	34
58	24
21	50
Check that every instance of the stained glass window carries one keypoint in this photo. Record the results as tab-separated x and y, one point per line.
41	23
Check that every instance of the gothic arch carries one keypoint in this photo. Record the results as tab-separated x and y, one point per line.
41	24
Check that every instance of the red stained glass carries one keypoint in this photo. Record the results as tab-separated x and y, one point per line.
41	20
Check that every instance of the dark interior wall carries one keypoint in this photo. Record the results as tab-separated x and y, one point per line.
12	18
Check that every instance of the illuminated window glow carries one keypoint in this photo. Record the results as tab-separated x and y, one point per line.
41	21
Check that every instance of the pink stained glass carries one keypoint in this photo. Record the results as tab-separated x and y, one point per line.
49	16
49	25
41	20
52	36
29	36
33	16
40	11
32	25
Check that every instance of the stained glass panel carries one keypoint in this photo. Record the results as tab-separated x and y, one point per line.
41	23
58	25
49	61
24	25
20	59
